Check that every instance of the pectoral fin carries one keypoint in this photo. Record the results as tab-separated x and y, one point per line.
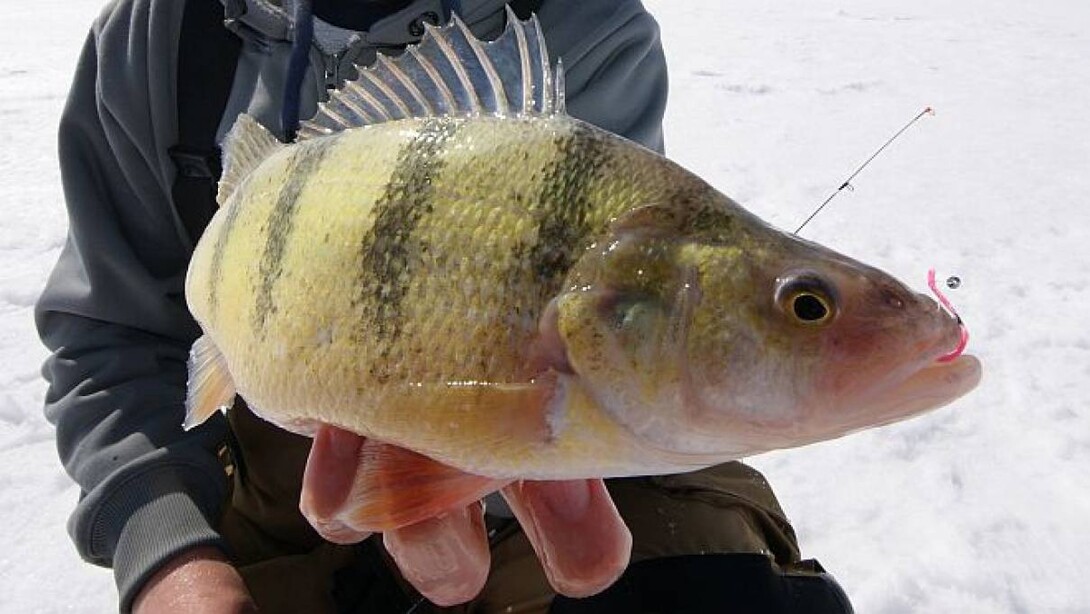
395	487
210	386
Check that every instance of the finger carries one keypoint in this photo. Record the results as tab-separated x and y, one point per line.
327	480
583	544
445	557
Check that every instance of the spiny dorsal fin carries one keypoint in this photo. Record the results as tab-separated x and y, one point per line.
559	103
246	145
210	387
450	72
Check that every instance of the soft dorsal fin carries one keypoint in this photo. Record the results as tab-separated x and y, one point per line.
246	145
450	72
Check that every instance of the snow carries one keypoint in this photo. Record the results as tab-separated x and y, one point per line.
979	507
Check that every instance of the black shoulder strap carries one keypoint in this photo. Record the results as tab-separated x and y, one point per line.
207	56
524	8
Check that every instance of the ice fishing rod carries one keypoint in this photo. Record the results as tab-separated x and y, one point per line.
848	182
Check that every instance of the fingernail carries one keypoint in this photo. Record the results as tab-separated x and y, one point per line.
337	532
567	500
446	557
344	445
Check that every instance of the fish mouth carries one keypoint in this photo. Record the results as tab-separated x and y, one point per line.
947	377
937	384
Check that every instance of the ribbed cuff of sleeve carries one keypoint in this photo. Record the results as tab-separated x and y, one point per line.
157	532
144	518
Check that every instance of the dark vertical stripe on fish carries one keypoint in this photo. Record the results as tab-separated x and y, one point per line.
304	161
215	273
386	251
564	205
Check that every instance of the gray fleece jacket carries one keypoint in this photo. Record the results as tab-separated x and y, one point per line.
114	313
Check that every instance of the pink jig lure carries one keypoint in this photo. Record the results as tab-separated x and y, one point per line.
949	307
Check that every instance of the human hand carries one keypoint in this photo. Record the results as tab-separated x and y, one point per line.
197	581
573	526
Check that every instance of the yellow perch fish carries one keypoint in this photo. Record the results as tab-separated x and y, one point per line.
446	262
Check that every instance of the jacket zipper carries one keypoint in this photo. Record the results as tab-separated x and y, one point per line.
332	69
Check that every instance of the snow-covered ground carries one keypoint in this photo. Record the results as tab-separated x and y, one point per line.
980	507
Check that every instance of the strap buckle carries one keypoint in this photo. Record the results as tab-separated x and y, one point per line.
195	163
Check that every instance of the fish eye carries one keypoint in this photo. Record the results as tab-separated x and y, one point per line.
809	308
806	299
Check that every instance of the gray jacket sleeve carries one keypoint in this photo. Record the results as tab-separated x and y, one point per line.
113	311
614	68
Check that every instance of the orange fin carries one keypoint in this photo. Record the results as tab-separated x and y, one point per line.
396	487
210	387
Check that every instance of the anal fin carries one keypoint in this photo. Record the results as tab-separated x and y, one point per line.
210	386
395	487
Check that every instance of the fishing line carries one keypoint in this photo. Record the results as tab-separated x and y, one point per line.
848	182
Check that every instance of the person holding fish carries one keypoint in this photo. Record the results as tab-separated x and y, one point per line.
442	310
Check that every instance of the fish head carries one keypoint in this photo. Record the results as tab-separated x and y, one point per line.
725	337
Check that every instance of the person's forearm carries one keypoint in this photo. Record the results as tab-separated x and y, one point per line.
197	581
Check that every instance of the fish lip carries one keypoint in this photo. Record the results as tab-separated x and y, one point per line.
946	307
941	372
960	349
942	336
954	327
934	385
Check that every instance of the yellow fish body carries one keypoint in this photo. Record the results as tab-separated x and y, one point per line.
517	294
408	264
